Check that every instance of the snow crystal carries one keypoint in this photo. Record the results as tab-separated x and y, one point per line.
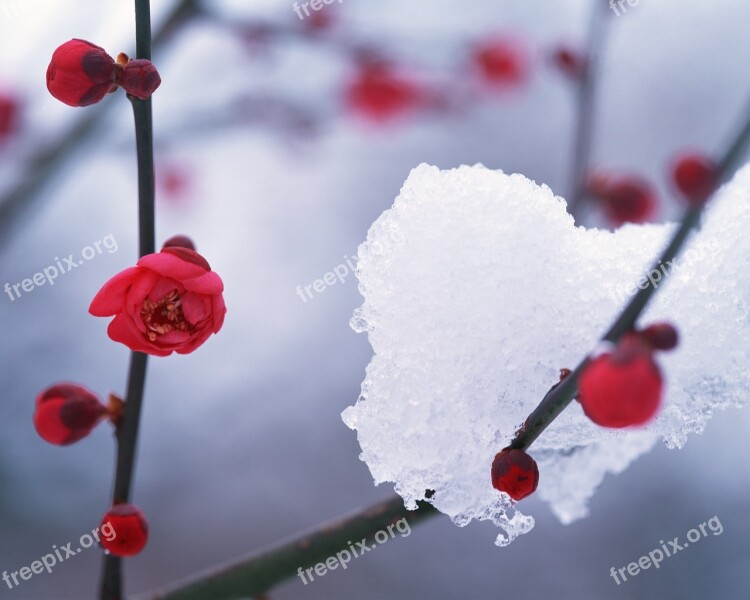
479	287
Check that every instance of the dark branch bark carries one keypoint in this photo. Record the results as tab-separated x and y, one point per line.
258	573
127	432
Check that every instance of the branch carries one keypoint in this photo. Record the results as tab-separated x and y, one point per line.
127	432
25	194
562	394
258	573
126	437
585	109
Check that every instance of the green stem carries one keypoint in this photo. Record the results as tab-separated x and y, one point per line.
258	573
127	432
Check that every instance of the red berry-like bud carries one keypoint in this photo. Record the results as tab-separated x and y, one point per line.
623	387
695	177
81	73
174	181
501	62
66	413
569	61
124	530
378	93
661	336
319	20
140	78
8	115
624	199
515	473
179	241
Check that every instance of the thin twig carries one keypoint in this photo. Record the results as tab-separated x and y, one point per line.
25	194
561	395
126	436
258	573
585	106
127	433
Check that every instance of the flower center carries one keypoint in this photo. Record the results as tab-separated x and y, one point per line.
164	316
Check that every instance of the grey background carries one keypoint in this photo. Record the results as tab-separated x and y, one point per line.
242	443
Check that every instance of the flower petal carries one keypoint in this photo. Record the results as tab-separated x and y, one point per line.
170	265
162	287
123	330
137	294
207	283
173	338
111	298
195	341
219	311
193	308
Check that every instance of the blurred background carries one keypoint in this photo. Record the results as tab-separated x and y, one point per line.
279	140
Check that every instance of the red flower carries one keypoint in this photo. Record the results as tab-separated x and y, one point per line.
379	93
174	181
695	176
66	413
124	530
140	78
8	115
81	73
502	62
319	20
622	388
171	301
515	473
624	198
